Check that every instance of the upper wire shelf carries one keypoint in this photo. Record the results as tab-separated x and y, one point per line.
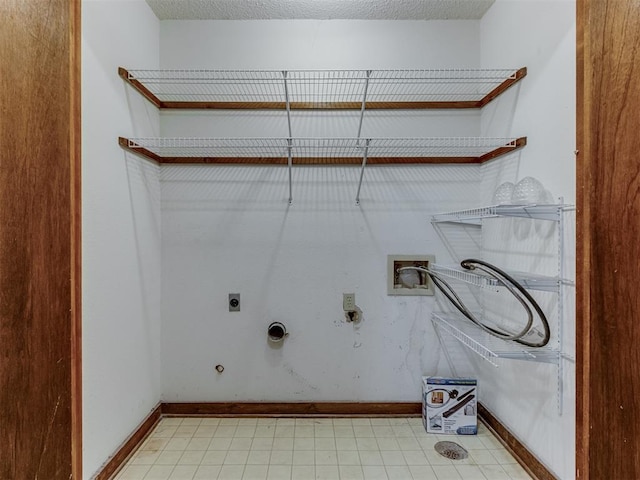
488	347
475	216
323	151
322	89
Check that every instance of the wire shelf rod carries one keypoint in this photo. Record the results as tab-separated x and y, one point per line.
289	140
364	164
364	103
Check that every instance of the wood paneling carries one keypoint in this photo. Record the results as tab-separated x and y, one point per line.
608	181
39	240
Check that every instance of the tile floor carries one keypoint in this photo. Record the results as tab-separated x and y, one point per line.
312	448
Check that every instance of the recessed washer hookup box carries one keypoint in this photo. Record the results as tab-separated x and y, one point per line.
450	405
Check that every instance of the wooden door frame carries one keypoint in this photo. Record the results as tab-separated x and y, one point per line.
608	240
75	134
40	240
593	436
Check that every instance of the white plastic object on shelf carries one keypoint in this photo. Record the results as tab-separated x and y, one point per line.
527	191
503	193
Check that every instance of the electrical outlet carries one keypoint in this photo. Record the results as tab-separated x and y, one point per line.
234	302
349	302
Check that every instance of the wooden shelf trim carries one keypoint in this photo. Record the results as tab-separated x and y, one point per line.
316	105
355	160
353	105
508	83
144	91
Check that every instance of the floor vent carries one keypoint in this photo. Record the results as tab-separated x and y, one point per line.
451	450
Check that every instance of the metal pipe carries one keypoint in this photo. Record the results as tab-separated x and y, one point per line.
290	139
287	102
364	164
364	103
290	163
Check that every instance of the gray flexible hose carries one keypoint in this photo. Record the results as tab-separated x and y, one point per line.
517	290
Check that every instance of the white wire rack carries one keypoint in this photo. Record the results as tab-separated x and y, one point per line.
322	88
488	347
475	216
476	339
323	150
458	273
529	281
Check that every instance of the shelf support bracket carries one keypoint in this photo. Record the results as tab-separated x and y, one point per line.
290	138
364	104
364	164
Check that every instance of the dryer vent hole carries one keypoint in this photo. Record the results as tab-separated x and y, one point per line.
276	331
451	450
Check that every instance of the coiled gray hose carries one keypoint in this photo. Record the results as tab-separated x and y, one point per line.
517	290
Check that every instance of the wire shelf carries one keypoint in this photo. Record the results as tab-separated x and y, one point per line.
475	216
458	273
529	281
324	89
321	150
486	346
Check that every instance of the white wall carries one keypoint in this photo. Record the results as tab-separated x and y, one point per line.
318	44
541	36
121	231
538	34
229	229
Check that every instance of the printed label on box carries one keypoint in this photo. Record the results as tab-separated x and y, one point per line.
449	405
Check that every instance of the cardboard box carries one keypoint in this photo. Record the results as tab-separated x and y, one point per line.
450	405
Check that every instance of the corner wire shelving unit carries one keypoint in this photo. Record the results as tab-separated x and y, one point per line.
486	346
336	90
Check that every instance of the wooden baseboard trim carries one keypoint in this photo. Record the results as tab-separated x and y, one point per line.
119	458
292	409
525	458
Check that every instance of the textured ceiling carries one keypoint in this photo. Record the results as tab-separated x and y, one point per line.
320	9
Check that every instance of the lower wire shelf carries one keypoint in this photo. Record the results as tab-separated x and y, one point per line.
488	347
